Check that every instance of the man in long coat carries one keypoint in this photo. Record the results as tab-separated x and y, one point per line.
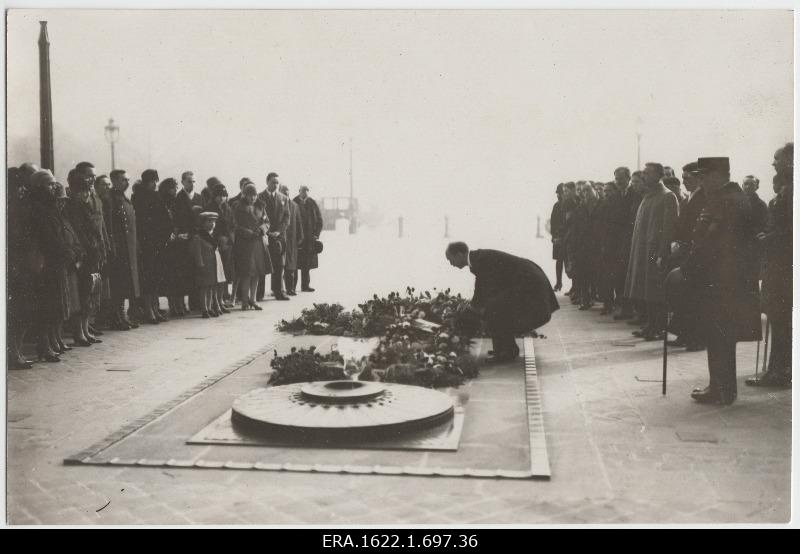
512	294
558	224
98	211
123	261
277	208
312	227
630	198
723	266
777	243
294	237
650	249
614	226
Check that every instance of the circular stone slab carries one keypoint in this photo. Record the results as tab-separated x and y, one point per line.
316	411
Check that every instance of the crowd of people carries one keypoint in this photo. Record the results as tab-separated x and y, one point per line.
77	253
714	256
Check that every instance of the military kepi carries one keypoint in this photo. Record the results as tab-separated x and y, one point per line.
713	164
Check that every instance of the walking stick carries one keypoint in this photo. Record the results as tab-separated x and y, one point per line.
666	334
766	344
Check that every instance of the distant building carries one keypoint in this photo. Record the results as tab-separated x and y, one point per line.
335	208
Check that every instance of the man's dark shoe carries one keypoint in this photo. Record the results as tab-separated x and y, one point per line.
281	296
700	391
768	379
707	396
653	335
715	397
307	289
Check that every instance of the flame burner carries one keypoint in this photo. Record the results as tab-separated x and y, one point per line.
340	410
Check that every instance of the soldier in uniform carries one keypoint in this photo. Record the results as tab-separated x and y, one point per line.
123	259
721	268
683	303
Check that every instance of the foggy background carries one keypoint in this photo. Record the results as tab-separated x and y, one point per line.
476	115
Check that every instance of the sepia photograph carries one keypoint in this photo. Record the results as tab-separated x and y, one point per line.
391	268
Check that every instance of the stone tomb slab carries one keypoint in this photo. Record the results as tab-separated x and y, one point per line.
498	421
441	437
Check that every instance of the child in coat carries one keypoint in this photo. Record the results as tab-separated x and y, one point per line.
204	252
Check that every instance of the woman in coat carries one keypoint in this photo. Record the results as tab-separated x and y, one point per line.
90	239
154	226
250	250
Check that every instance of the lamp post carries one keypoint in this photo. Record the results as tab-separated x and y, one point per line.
45	100
112	136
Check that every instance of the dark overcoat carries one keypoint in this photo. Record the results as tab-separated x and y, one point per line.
224	232
202	251
584	244
653	233
250	252
513	293
312	227
123	270
294	237
722	265
612	234
558	223
182	215
778	249
52	291
154	227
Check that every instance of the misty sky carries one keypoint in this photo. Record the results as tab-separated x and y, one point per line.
477	114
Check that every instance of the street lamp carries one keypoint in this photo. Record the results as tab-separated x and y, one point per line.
112	136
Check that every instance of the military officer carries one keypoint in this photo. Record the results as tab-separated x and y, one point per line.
721	265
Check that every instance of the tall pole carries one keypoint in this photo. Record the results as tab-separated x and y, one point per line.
351	172
638	151
113	161
45	101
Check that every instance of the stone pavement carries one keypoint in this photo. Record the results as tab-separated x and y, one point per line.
619	451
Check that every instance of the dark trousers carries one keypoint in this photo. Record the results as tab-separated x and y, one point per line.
262	281
656	316
504	344
277	268
721	359
780	352
305	278
290	279
559	271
